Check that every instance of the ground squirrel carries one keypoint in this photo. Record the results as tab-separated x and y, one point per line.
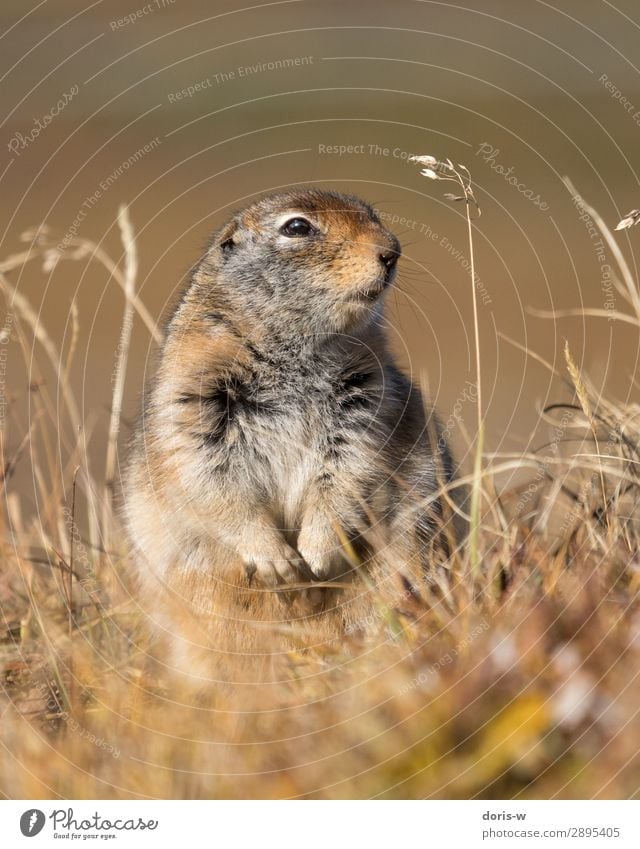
278	426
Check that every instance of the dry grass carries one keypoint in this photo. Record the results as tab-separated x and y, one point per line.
517	681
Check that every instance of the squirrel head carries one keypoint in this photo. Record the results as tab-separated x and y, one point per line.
312	261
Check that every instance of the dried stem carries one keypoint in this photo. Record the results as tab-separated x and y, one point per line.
131	270
445	170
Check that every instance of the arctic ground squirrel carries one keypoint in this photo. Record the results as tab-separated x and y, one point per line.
278	437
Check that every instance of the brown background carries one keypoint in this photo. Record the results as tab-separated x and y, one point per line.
425	77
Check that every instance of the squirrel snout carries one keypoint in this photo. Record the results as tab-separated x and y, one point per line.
390	250
389	259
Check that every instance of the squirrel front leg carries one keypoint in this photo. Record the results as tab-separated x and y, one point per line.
252	534
324	527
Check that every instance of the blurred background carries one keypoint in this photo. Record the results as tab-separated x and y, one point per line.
186	111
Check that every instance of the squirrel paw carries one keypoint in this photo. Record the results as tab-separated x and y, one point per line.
283	565
324	565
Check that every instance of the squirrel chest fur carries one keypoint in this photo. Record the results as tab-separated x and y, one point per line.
277	425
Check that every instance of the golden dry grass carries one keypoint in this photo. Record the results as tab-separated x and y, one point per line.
517	679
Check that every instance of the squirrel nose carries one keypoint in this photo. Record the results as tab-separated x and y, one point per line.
389	259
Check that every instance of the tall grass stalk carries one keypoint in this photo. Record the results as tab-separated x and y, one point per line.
445	170
476	491
131	269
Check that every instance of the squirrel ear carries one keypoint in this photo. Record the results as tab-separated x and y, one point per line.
226	241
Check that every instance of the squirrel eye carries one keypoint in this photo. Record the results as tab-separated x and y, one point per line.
296	227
